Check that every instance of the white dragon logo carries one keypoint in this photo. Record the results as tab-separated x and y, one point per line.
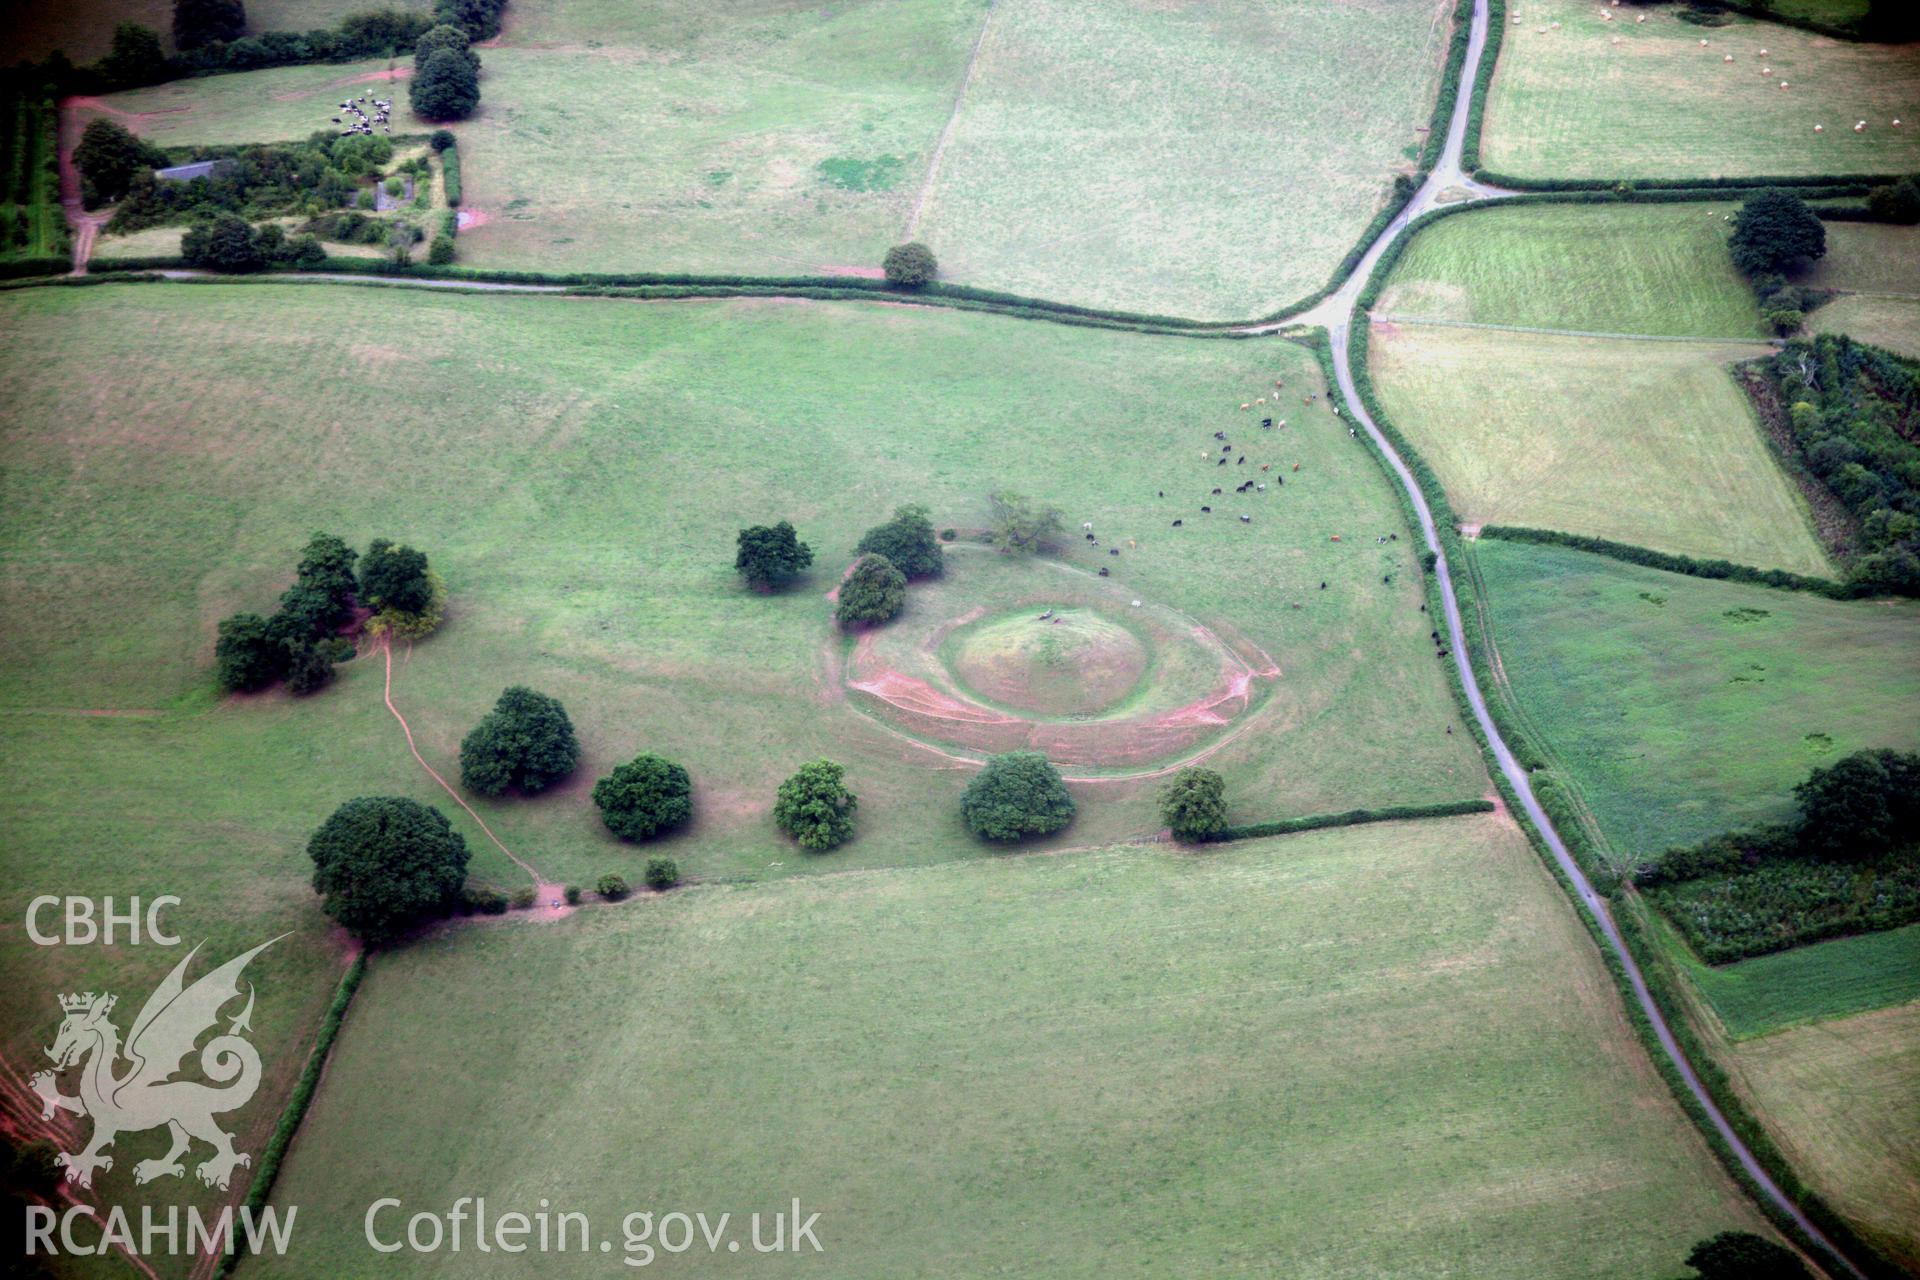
145	1096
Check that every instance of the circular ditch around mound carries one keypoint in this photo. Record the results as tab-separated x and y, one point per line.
1007	654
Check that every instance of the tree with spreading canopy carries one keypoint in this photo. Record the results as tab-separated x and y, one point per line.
109	156
872	593
395	577
643	797
909	265
1775	230
1194	804
1862	806
815	807
908	540
526	741
1741	1255
446	87
769	557
385	863
1016	795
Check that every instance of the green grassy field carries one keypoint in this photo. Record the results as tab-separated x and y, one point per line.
1807	984
1867	257
1643	442
1330	1054
1212	159
1655	269
578	470
1567	102
1683	707
1130	157
1843	1100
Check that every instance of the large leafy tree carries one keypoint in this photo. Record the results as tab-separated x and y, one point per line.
385	863
1862	806
1741	1255
873	592
248	655
446	87
643	797
908	540
444	36
815	807
526	741
909	265
771	556
202	22
228	244
1194	805
395	577
136	57
323	589
1773	230
109	156
1018	794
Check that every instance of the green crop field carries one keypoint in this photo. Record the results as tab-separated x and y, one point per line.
585	496
1867	257
1643	442
1132	1061
1807	984
1683	707
799	141
1656	269
1569	102
1843	1101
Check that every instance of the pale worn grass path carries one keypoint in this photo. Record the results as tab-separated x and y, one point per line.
953	121
540	881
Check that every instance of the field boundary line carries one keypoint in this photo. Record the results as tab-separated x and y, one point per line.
386	648
1381	317
946	130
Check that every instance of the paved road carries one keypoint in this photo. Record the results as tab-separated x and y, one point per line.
1337	315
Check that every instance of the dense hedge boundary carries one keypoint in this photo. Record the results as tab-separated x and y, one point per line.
1691	566
450	175
1627	907
1482	84
1353	818
296	1109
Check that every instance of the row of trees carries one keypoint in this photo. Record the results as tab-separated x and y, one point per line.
1774	234
302	642
890	555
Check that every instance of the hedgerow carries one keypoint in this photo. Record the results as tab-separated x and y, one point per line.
1351	818
450	175
1671	562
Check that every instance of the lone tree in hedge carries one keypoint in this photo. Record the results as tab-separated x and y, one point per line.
1862	806
872	593
1194	805
815	807
1019	525
446	87
643	797
1775	230
769	557
202	22
385	863
908	540
1018	794
909	265
526	741
109	156
1741	1255
395	577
